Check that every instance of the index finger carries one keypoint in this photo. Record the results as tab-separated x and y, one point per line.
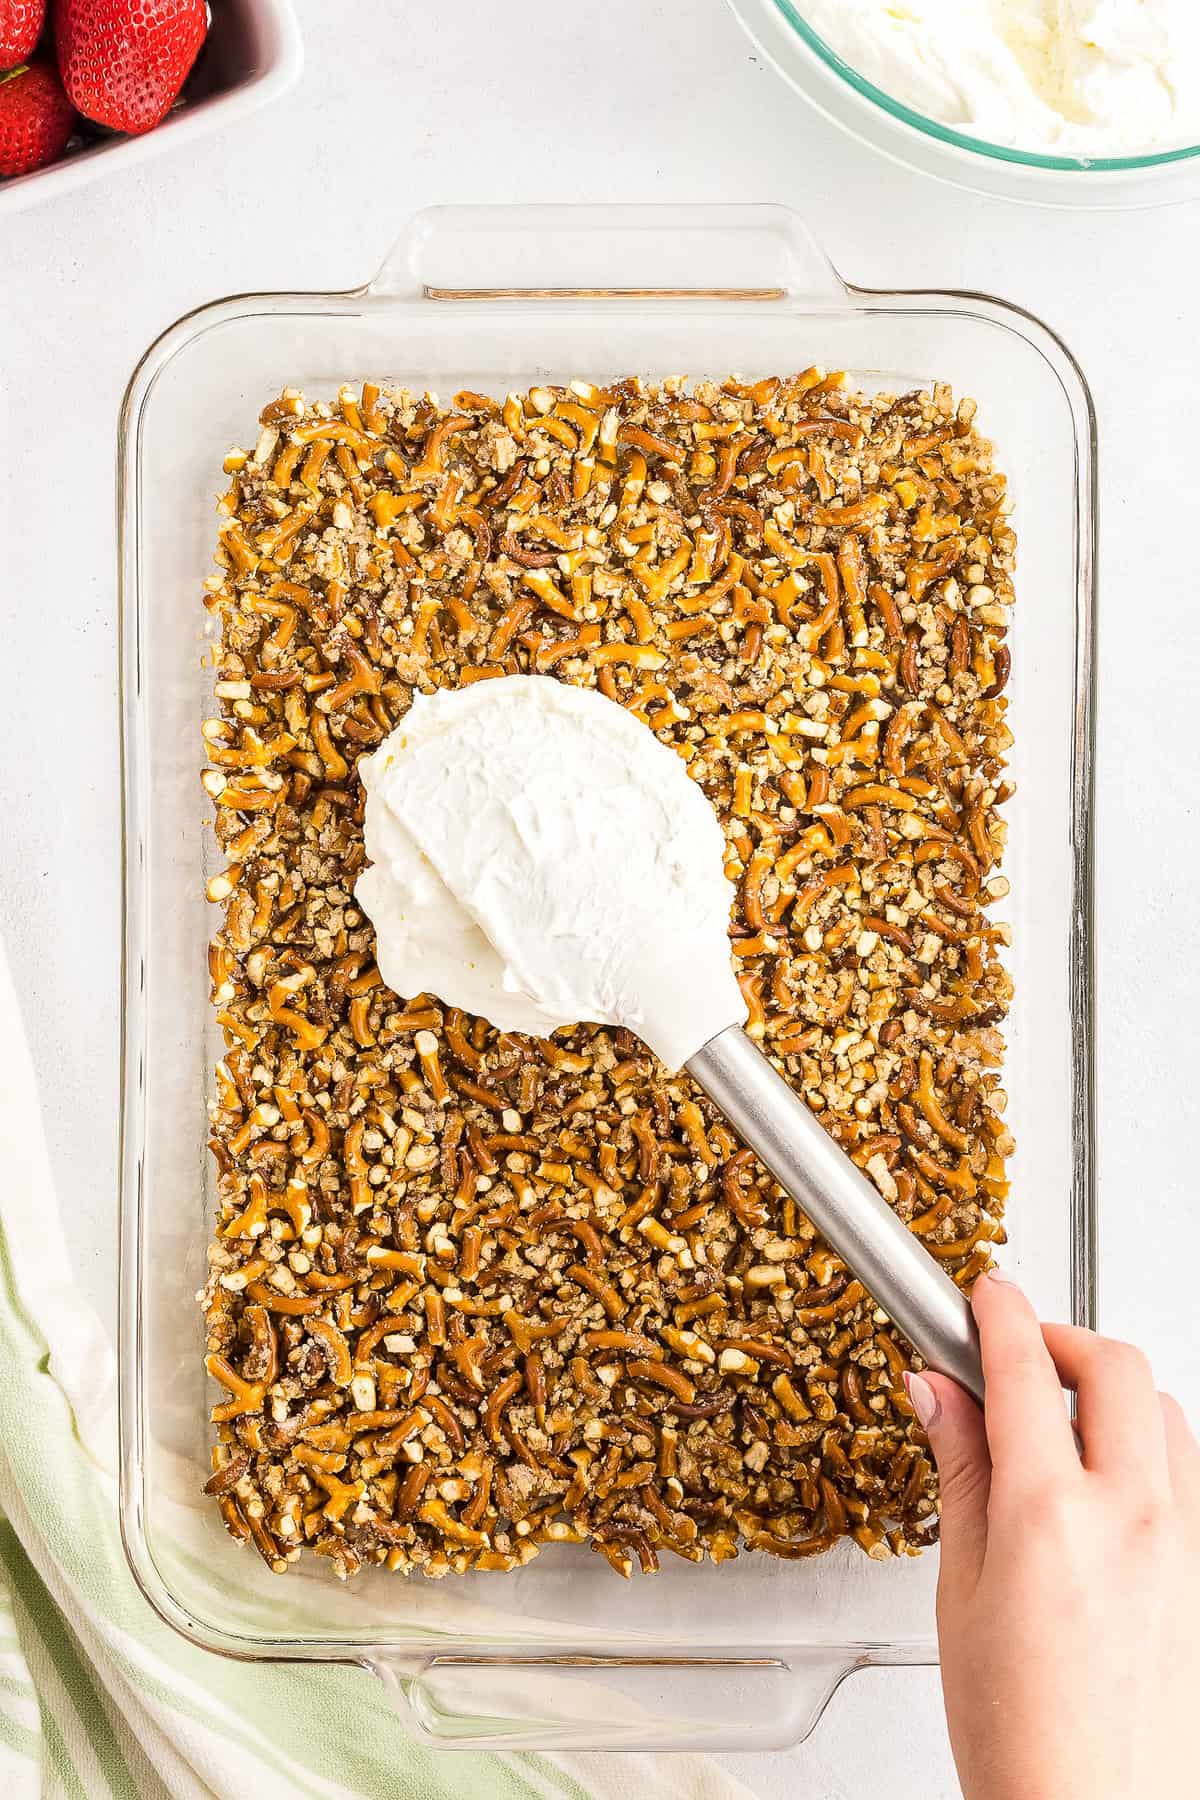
1024	1406
1121	1423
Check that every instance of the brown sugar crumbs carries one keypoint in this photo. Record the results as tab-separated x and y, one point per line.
472	1293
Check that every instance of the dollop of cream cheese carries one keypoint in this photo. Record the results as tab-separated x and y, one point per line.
1088	78
539	858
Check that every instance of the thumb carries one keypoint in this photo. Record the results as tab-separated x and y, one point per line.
954	1426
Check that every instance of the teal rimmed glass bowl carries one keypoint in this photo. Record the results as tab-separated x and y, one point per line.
845	96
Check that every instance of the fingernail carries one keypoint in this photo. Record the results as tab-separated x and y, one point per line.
925	1402
998	1274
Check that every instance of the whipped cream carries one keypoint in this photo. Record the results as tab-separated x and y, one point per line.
1068	77
539	858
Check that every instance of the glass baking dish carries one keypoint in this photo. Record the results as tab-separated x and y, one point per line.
561	1652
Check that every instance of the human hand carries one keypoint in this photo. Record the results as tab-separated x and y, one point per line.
1069	1594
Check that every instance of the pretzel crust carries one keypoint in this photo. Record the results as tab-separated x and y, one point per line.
472	1294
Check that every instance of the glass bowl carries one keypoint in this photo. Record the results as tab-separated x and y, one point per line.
841	94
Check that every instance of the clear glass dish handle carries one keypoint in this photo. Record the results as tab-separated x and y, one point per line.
634	1702
748	253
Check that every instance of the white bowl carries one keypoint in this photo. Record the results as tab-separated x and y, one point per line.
252	55
840	93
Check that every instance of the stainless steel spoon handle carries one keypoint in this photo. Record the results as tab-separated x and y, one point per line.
839	1200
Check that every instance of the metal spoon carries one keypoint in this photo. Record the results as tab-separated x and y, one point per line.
899	1272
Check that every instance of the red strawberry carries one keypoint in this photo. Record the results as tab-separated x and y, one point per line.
36	118
124	61
21	24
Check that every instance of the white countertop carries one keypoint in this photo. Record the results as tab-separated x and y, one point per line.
404	106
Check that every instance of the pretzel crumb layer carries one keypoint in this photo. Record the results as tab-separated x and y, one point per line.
471	1293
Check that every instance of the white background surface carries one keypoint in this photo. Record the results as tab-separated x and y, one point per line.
572	100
